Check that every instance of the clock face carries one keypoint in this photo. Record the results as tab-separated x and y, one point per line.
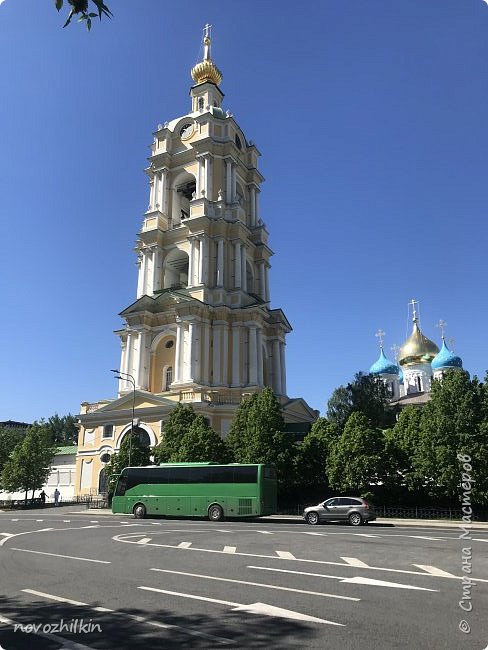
186	130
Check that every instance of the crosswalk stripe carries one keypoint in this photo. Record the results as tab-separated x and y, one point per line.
285	555
354	561
184	544
434	571
230	549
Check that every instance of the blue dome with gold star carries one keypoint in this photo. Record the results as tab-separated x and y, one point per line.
383	366
446	359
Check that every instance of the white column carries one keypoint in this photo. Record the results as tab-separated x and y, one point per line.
259	344
225	355
253	205
236	355
157	280
228	179
266	283
150	259
156	190
257	205
234	182
244	268
276	367
151	193
143	273
191	265
140	275
220	263
237	265
123	363
205	353
130	357
164	207
209	177
262	281
283	368
216	361
253	356
178	354
190	351
200	260
141	369
204	258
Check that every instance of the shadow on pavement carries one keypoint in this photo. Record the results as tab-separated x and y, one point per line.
120	630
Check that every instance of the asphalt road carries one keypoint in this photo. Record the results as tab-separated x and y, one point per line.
85	581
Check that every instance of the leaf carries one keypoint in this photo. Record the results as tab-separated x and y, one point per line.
88	23
93	15
59	4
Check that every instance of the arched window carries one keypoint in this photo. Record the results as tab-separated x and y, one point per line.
102	482
168	378
200	103
419	384
143	436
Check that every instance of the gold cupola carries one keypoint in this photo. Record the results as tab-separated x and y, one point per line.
206	70
417	348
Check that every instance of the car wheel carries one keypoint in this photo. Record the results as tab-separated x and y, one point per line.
139	511
355	519
215	513
312	518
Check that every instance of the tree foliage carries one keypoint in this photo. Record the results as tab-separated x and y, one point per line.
257	436
403	450
28	466
10	437
176	426
312	454
63	429
201	444
355	460
366	395
132	453
82	9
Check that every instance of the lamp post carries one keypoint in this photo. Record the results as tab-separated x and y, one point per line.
130	378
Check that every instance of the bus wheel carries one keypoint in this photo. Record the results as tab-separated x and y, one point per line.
139	511
215	513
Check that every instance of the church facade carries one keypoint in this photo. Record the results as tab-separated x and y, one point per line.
201	330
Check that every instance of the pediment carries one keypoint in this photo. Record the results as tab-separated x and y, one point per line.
297	410
159	302
143	399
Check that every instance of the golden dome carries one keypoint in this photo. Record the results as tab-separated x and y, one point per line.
417	348
206	70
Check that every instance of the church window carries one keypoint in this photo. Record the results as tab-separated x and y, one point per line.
168	378
200	103
105	458
419	384
108	431
169	344
238	142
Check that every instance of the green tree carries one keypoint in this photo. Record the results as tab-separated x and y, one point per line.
365	394
9	438
176	426
403	450
82	9
312	454
28	466
355	459
130	448
256	435
452	423
201	444
64	430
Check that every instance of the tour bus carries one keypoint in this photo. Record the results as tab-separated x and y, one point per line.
196	490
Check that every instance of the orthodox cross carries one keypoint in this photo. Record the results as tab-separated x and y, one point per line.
414	302
380	334
395	349
441	324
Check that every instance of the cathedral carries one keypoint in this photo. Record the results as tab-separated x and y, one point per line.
418	362
201	330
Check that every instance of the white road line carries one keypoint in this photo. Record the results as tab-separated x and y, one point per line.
318	534
66	644
257	584
14	520
353	561
265	532
144	540
94	521
230	549
68	521
434	571
479	540
140	619
285	555
364	535
184	544
429	538
254	608
69	557
355	580
7	536
39	520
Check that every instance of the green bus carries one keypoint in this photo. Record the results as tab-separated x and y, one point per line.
196	490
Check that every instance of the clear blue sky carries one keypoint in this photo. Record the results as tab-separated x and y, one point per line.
371	118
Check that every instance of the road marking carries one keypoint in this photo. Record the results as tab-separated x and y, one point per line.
7	536
66	644
184	544
68	521
120	538
365	535
429	538
353	561
355	580
134	617
94	521
253	608
230	549
318	534
285	555
265	532
14	520
434	571
222	531
69	557
479	540
258	584
383	583
39	519
144	540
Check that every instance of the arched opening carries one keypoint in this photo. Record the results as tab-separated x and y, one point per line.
142	434
250	278
163	363
184	190
102	482
175	271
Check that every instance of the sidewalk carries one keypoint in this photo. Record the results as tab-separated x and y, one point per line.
380	522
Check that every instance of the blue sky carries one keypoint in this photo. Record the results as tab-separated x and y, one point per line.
372	124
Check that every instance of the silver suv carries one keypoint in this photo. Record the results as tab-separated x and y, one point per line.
355	510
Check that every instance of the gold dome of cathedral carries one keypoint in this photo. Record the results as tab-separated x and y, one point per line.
417	348
206	70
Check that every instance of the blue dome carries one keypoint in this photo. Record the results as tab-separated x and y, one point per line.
446	359
383	366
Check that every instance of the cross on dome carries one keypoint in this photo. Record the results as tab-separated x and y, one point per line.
380	334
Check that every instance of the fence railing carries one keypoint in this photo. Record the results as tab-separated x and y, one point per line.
400	512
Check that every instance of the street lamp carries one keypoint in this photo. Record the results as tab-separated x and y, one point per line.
130	378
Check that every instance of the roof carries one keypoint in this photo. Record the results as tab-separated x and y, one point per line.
71	449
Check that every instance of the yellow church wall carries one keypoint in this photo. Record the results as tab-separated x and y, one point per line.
160	360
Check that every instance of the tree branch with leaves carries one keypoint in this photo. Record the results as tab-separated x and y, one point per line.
82	8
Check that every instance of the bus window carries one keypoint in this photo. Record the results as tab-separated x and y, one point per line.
121	486
270	472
